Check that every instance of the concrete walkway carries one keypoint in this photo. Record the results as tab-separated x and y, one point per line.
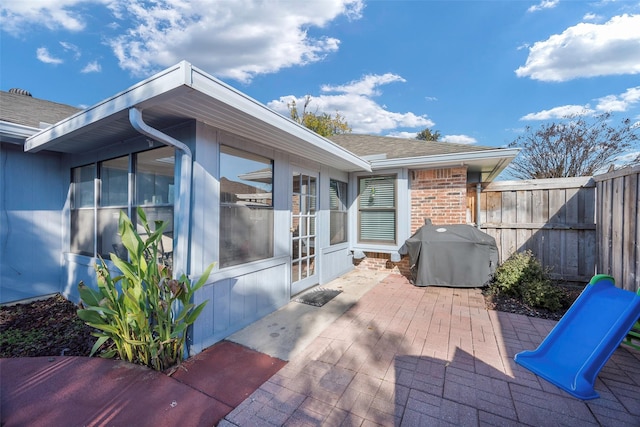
412	356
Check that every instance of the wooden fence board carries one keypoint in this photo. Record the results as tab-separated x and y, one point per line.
617	213
630	206
577	227
555	219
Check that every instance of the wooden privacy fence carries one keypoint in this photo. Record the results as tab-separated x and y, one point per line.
554	218
618	226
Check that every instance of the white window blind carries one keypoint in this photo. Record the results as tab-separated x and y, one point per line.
377	208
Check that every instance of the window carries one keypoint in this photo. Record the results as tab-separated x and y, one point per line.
83	210
154	180
377	209
101	190
338	211
246	207
113	198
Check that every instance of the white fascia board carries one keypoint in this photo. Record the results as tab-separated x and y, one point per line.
242	102
156	85
16	131
452	159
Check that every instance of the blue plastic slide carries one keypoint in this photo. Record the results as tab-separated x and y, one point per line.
580	344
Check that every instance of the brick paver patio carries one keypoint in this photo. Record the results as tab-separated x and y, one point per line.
410	356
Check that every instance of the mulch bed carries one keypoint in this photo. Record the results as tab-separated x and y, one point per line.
513	305
48	327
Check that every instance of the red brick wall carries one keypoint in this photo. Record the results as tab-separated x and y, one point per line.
437	194
382	262
440	195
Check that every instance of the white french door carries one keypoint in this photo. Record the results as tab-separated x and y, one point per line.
304	206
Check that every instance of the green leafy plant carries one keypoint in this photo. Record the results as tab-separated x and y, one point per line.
521	267
141	315
523	276
541	293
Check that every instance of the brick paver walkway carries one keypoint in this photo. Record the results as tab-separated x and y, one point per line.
409	356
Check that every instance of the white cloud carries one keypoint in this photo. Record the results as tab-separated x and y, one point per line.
355	102
459	139
43	55
405	135
366	86
92	67
232	39
591	17
610	103
544	4
617	103
586	50
430	98
228	38
559	112
72	48
17	15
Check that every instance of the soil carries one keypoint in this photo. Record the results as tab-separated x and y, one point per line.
51	327
48	327
513	305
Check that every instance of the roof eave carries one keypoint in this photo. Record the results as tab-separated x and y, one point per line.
184	78
496	160
16	133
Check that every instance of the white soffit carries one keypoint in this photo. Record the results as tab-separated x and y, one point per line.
181	93
489	163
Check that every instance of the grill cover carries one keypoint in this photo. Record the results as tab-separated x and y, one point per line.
451	255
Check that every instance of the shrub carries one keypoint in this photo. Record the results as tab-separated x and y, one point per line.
523	276
143	314
521	267
543	294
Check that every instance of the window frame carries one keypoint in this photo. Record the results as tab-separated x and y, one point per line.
342	209
360	209
257	207
130	206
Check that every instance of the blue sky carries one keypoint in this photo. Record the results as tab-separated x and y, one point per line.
477	71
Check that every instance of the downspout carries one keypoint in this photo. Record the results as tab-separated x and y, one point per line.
183	208
478	192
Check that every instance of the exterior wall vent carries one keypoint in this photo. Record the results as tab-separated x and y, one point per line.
20	91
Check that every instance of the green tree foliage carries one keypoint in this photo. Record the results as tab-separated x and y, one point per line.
574	147
141	315
428	135
323	124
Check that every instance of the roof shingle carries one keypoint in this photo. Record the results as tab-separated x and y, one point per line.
399	148
28	111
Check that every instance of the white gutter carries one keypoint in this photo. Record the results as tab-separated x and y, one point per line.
15	132
182	212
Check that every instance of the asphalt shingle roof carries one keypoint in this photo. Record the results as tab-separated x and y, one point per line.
400	148
28	111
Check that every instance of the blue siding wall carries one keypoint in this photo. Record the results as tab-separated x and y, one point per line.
239	300
335	261
33	190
